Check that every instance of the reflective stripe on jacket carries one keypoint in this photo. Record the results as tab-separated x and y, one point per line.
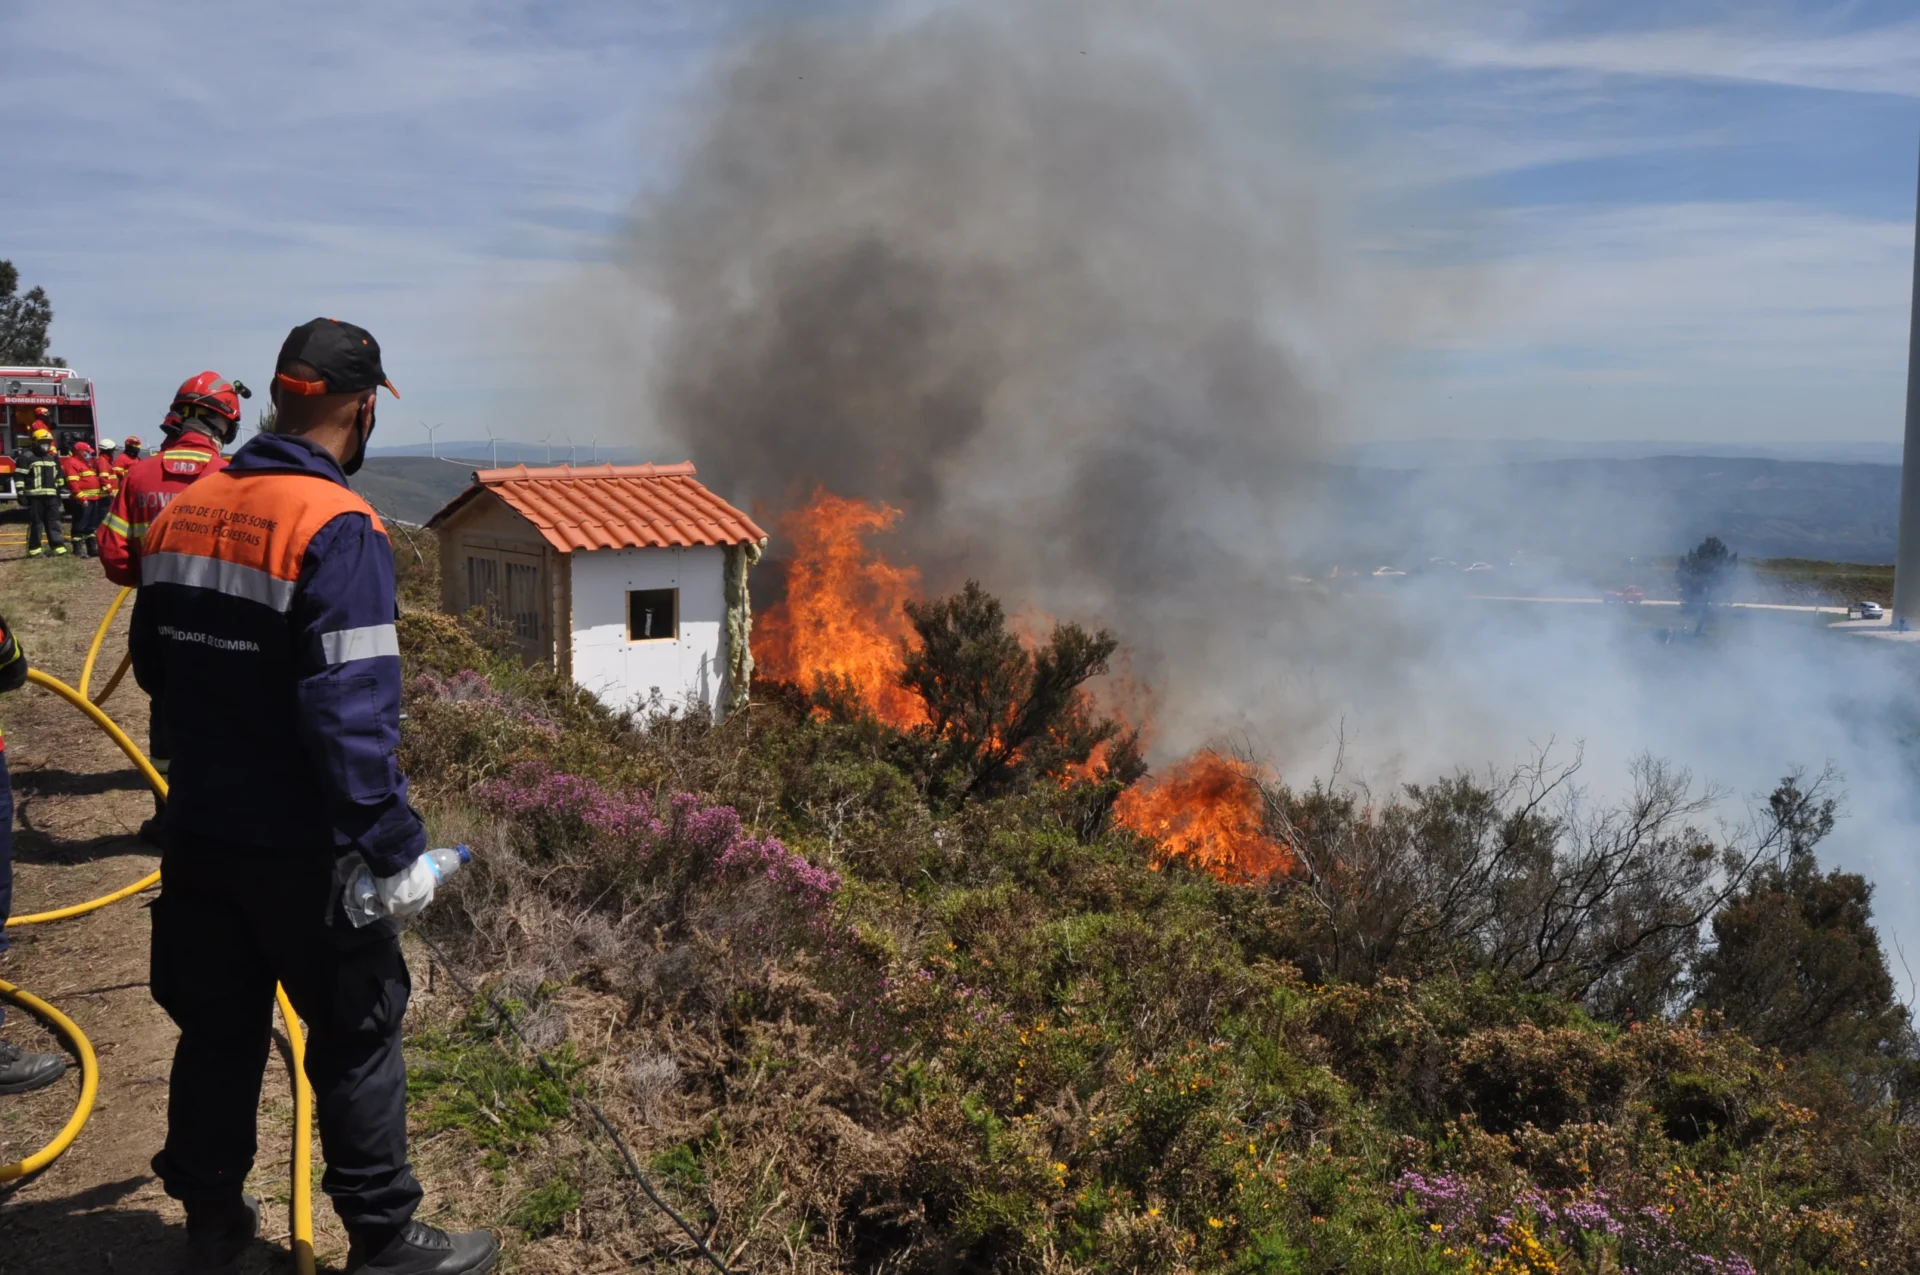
145	488
265	629
43	477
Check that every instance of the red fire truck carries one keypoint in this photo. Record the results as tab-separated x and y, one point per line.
68	398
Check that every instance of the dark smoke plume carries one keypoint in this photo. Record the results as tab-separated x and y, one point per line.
1013	274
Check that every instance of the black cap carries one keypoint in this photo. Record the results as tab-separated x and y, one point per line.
347	359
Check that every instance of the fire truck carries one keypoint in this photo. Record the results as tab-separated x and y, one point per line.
68	398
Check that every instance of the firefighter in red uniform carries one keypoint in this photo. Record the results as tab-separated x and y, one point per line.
129	453
265	623
105	462
85	490
204	416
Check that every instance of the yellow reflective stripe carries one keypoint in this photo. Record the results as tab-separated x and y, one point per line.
115	523
187	453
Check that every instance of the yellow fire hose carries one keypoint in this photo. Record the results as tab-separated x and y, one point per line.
302	1203
89	1083
99	636
126	662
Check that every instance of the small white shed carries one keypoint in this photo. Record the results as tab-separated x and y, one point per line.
631	579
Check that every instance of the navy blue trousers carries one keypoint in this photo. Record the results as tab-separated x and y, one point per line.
230	922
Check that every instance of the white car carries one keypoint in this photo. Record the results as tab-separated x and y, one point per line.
1867	611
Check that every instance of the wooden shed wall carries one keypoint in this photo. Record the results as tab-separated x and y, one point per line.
486	545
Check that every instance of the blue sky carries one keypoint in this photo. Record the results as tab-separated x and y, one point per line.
1685	220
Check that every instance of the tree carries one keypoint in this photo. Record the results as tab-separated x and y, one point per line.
1704	575
998	712
1797	966
24	320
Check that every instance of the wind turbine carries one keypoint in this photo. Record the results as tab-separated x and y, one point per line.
432	449
548	440
570	452
493	446
596	449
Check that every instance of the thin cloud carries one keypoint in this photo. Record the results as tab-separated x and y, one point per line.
1883	59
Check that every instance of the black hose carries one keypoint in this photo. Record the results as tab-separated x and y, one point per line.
546	1069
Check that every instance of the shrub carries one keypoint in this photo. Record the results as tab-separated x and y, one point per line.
999	714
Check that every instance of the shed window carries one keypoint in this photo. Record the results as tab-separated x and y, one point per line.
653	615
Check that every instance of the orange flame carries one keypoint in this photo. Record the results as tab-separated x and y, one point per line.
844	622
844	617
1206	810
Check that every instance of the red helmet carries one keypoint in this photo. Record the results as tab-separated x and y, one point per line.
39	411
82	447
207	395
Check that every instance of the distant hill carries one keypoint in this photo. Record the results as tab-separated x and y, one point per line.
1432	453
411	489
1762	508
514	452
1577	507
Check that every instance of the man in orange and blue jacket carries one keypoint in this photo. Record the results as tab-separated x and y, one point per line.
264	629
20	1072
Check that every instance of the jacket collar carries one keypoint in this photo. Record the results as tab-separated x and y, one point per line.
189	438
286	454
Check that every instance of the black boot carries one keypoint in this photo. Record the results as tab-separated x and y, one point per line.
21	1072
419	1249
219	1233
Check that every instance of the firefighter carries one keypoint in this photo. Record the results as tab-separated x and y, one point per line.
203	417
129	452
108	465
264	627
84	491
20	1072
41	487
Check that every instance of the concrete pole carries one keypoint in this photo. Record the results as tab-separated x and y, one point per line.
1906	572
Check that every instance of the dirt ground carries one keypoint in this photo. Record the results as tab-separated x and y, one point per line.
78	804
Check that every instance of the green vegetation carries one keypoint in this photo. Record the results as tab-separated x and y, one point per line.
544	1209
854	1023
1832	583
467	1078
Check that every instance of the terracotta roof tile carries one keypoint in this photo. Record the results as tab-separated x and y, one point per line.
614	506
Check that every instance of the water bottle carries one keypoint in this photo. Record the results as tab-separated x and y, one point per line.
362	901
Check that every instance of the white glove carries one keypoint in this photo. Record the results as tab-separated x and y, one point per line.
408	893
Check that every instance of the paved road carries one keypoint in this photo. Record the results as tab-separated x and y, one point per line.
1663	602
